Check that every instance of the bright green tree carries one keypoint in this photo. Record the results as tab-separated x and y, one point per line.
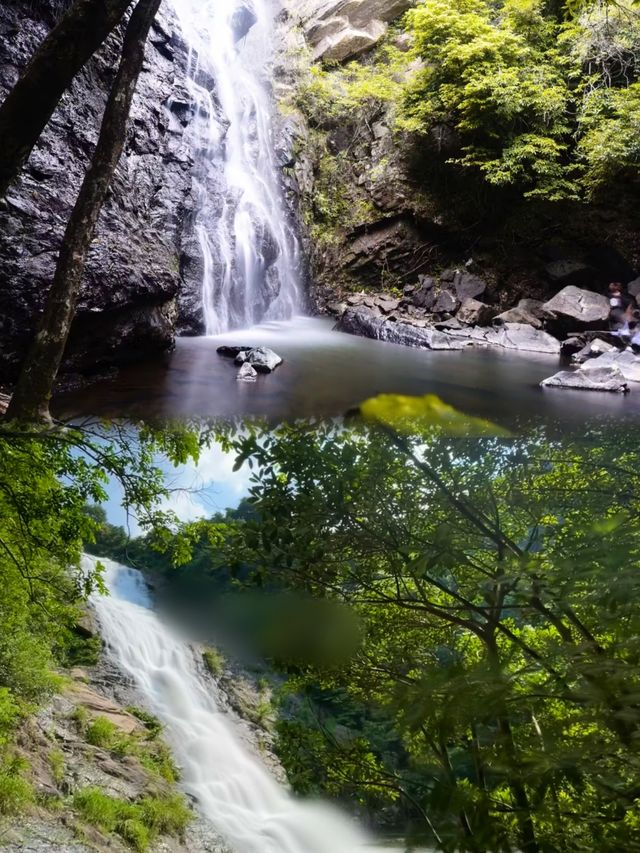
495	582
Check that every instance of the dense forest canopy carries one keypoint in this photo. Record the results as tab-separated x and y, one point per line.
527	94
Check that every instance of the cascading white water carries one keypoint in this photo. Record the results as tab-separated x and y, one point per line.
250	254
233	790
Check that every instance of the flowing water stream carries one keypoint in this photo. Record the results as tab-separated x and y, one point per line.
250	254
233	790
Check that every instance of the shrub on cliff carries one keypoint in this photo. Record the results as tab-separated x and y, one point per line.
529	98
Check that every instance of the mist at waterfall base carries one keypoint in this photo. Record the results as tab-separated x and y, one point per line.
252	812
249	251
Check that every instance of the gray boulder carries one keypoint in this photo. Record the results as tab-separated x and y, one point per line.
513	336
367	324
627	362
595	379
247	373
576	308
472	312
593	349
521	336
263	359
528	311
387	305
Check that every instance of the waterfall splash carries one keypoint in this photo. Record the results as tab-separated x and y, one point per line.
250	254
233	790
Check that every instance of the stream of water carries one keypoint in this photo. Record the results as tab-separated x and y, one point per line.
233	790
250	254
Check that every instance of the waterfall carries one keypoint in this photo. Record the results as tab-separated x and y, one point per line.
233	790
250	254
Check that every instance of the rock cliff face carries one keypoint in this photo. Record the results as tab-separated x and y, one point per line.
380	213
128	304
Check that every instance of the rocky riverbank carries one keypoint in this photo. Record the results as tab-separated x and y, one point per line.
457	310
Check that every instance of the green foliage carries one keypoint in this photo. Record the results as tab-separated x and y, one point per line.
16	793
102	732
516	93
493	691
214	661
149	720
47	478
518	86
57	764
151	752
138	823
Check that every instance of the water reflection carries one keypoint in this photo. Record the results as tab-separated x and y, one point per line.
326	373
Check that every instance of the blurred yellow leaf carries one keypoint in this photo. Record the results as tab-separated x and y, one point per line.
406	413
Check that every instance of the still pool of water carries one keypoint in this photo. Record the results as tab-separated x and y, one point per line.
326	373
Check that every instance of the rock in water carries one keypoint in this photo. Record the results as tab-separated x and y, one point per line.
593	349
628	363
575	308
263	359
593	379
231	352
247	373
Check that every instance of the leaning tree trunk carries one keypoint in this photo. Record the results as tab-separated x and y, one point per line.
31	397
30	104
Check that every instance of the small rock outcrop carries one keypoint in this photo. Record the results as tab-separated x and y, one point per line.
259	359
596	379
338	30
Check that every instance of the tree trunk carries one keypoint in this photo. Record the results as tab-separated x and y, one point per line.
30	104
31	397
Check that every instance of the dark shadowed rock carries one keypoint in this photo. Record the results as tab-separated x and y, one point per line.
425	295
468	286
596	379
230	351
127	307
446	302
569	271
572	345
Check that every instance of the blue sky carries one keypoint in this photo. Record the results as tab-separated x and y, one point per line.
197	491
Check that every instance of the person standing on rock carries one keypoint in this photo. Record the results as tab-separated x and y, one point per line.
620	309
